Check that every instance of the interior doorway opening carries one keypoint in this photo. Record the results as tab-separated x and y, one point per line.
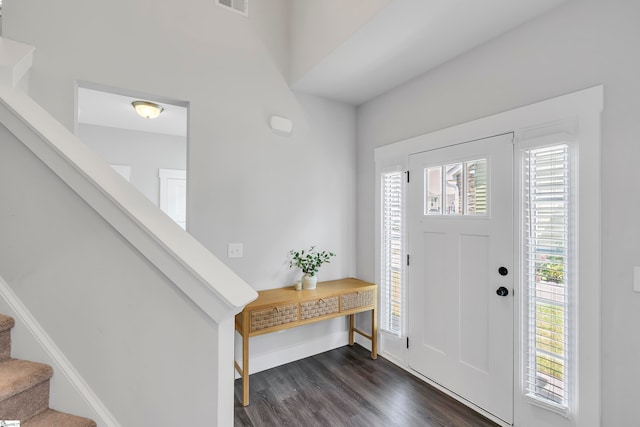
137	147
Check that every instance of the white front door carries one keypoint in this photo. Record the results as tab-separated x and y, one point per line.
460	230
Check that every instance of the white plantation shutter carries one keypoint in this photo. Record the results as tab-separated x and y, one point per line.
548	274
392	275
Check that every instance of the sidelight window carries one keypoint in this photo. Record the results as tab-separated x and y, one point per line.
548	274
392	249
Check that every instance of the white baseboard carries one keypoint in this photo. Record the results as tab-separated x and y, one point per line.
36	345
282	356
364	342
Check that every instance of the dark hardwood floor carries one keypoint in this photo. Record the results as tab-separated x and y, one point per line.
344	387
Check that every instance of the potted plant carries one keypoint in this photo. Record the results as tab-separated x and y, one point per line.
309	262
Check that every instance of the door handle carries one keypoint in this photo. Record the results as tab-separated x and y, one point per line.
502	291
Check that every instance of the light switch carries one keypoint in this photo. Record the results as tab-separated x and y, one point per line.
636	279
234	250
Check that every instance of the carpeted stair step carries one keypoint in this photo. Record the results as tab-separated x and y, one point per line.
51	418
24	389
6	323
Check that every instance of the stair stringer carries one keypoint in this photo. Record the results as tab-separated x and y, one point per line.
69	392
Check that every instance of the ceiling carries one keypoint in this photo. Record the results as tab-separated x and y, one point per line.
408	38
405	39
97	107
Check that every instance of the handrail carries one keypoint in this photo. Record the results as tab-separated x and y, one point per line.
207	281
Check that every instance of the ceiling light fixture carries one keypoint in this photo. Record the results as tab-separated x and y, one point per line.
146	109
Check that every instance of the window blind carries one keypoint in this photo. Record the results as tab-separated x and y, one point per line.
547	273
391	251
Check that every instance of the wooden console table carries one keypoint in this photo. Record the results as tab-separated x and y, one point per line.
284	308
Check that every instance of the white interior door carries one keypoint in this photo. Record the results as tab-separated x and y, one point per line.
460	225
173	194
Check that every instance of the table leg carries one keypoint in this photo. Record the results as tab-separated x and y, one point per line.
245	368
374	334
351	328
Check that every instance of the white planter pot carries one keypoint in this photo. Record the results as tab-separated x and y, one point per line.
309	282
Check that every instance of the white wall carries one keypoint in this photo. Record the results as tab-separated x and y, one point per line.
276	193
270	24
319	26
145	152
145	349
579	45
246	184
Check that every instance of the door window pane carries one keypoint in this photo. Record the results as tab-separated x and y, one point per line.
453	188
457	189
476	191
433	202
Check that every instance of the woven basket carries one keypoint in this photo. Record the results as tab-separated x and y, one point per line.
274	316
357	299
318	308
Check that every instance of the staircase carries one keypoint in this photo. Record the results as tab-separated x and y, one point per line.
24	389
